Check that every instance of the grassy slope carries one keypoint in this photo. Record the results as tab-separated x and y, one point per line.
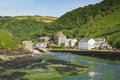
109	20
6	39
23	29
106	26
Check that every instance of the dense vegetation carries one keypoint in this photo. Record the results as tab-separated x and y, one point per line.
87	15
7	39
115	40
23	29
98	20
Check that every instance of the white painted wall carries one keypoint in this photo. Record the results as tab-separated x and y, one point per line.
83	45
41	45
87	45
73	42
70	42
91	44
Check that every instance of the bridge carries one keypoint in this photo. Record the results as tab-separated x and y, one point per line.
42	50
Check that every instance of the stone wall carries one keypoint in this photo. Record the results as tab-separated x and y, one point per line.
101	54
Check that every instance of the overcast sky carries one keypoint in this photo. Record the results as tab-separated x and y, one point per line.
41	7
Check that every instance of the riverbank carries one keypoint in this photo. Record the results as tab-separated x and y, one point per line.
44	67
8	53
94	53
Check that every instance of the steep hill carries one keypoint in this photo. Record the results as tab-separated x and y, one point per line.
7	39
108	27
23	29
87	14
99	20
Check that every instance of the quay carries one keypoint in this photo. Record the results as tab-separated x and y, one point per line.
94	53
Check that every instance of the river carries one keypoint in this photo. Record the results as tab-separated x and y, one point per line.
103	69
48	66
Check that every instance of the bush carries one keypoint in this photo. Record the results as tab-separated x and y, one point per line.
117	43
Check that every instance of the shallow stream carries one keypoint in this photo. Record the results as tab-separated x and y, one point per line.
103	69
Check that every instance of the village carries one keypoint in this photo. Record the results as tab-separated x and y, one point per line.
61	42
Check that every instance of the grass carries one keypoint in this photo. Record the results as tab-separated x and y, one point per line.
110	20
105	26
6	39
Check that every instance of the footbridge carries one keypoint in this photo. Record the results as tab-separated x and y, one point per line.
42	50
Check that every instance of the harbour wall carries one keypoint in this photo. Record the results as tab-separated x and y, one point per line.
100	54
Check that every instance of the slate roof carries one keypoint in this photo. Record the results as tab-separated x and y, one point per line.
84	40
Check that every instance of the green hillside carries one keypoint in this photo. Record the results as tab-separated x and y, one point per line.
26	29
6	39
99	20
22	29
88	14
108	25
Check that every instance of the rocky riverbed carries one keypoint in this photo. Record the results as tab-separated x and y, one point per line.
21	68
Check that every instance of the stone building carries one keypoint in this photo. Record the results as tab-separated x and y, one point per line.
59	38
28	45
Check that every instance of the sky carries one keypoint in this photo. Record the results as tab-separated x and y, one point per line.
54	8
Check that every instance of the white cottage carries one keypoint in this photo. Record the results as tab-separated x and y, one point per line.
40	45
70	42
99	42
59	39
73	42
86	44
